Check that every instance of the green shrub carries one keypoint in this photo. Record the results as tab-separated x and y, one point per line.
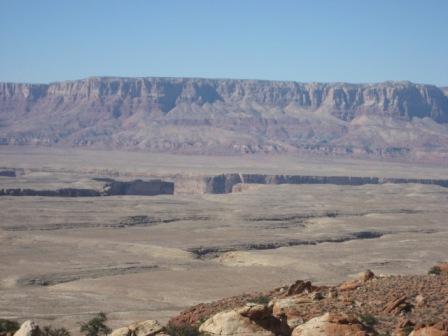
8	326
435	270
262	299
368	320
182	330
50	331
96	326
408	329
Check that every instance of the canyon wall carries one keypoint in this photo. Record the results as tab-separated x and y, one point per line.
110	188
225	183
139	187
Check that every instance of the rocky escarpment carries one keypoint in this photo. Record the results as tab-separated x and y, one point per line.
215	184
225	183
228	116
110	188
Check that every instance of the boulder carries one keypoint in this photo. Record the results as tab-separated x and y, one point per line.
349	285
262	315
366	276
232	323
331	325
121	332
28	328
289	308
145	328
420	301
255	311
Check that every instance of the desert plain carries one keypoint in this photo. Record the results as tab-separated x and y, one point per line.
63	259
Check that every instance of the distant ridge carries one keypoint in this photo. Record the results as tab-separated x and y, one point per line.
226	116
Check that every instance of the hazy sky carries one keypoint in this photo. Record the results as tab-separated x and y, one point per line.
314	40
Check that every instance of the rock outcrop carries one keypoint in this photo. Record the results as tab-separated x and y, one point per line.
251	319
331	325
377	305
213	116
289	309
145	328
232	323
28	328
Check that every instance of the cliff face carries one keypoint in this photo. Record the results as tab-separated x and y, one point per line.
225	183
155	97
226	116
139	187
110	188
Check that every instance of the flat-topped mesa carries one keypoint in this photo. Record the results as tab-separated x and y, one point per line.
225	183
154	94
222	116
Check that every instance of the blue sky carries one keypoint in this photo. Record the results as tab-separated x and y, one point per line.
314	40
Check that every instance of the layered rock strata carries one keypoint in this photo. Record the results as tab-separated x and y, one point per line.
225	116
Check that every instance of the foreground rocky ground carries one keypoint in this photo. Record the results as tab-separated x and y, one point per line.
368	305
415	305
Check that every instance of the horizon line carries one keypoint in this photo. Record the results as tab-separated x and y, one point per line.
221	78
